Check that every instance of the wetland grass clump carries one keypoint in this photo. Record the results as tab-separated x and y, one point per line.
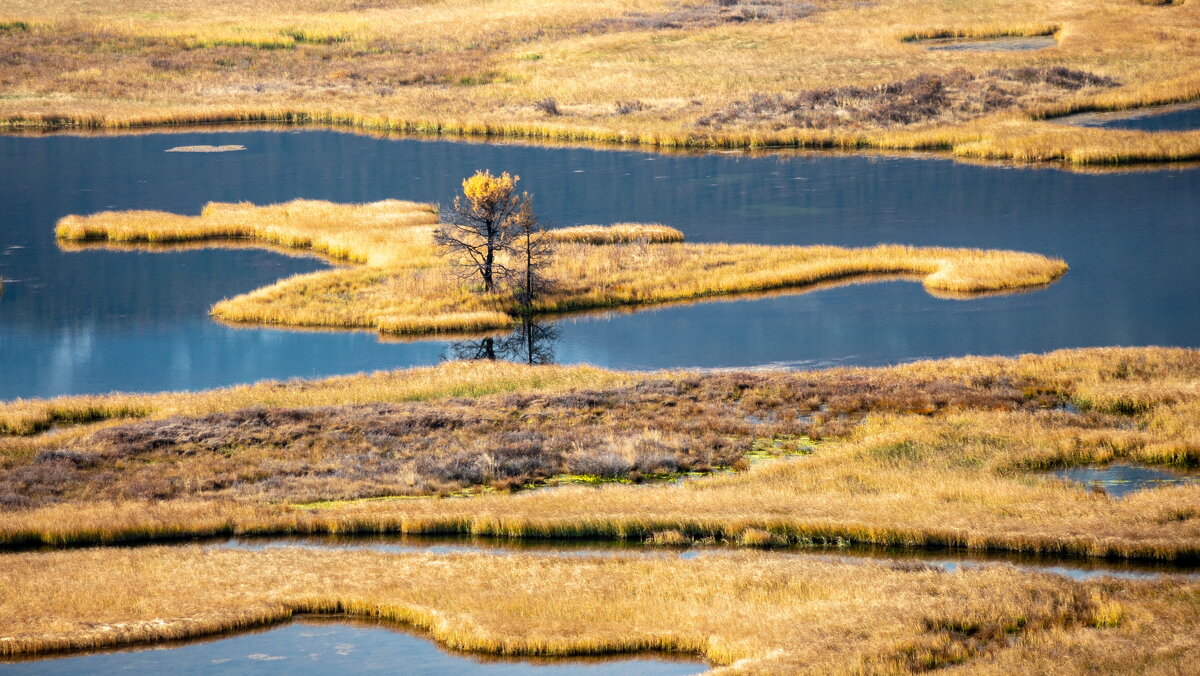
871	617
405	284
982	32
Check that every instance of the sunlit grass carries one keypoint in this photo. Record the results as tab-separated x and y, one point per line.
877	618
466	68
24	417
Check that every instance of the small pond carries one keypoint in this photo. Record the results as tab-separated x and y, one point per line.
1119	479
1183	117
319	646
999	44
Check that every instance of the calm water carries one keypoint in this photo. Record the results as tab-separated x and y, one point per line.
1166	118
323	647
1072	567
96	321
1005	44
1120	479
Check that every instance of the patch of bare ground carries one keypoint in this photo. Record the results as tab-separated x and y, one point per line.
951	97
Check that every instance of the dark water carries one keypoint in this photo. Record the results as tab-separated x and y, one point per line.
324	647
96	321
1120	479
1073	567
1167	118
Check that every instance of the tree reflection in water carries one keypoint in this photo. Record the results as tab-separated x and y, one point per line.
529	343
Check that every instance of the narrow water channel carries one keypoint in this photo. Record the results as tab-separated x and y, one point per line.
1183	117
326	646
1071	567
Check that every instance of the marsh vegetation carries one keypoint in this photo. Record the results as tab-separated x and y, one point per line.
947	453
963	455
877	618
576	71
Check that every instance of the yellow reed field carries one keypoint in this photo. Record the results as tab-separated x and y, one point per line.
408	286
617	233
926	454
746	613
614	71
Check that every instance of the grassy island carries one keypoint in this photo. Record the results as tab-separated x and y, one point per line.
945	453
777	614
702	73
400	283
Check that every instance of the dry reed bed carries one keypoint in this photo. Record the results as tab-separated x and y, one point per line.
407	286
465	68
944	453
777	614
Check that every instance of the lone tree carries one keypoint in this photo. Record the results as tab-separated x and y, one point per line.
485	220
531	250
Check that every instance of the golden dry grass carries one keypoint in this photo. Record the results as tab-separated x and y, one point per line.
900	464
747	613
456	379
406	284
478	68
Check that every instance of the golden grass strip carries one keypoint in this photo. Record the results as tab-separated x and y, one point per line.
458	379
997	31
408	286
617	233
874	618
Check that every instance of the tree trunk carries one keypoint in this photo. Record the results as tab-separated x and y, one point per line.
488	285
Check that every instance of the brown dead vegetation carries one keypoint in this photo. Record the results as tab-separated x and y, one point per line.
709	14
654	428
951	97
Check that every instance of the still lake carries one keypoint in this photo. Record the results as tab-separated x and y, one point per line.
102	320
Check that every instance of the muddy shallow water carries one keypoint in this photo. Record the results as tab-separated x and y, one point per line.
1003	44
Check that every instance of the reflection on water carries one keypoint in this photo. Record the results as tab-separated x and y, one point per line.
1072	567
1183	117
1120	479
317	646
97	320
531	342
